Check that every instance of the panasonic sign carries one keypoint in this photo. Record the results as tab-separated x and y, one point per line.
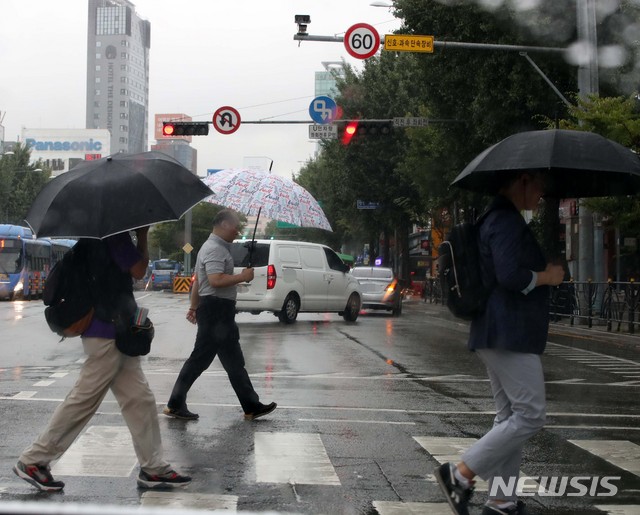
80	146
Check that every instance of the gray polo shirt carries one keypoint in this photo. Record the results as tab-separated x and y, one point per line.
214	258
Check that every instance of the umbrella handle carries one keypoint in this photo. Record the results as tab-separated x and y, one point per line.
253	239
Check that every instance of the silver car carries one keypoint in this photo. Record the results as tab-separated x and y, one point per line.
380	288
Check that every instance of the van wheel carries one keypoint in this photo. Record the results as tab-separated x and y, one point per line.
352	309
290	309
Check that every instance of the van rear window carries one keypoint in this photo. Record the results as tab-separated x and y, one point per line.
240	254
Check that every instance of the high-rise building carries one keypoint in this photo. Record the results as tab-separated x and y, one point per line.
118	74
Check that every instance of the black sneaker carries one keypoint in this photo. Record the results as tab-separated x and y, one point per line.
38	476
457	495
181	413
516	509
165	481
263	410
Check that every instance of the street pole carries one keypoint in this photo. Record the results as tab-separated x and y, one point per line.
590	264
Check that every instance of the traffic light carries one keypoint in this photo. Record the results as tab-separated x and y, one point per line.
173	129
365	128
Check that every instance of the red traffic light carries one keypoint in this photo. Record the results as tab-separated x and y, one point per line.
349	131
167	129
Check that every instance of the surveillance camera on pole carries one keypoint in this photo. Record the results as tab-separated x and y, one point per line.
302	20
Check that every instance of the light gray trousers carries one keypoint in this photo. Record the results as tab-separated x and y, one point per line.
105	368
517	383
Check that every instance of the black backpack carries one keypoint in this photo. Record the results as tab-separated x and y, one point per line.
460	275
69	290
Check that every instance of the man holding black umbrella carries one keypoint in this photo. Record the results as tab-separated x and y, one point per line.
104	369
509	337
213	308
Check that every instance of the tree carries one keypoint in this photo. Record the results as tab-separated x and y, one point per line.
20	183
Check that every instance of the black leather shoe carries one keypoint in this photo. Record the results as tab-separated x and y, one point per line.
181	413
263	410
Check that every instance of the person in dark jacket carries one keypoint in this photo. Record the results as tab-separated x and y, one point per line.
509	337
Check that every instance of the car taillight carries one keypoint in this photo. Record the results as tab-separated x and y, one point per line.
153	277
391	286
271	277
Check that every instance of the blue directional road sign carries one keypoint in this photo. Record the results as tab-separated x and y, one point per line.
323	110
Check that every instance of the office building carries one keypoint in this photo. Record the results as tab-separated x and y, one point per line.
118	74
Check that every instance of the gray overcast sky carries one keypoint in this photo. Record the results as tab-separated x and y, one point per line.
204	54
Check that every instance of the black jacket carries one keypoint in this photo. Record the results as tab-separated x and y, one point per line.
509	253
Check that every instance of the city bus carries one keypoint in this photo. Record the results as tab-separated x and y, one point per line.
25	261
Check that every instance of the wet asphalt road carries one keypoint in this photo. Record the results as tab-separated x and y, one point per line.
374	400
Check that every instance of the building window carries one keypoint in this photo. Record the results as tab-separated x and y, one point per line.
124	116
96	104
97	92
98	56
124	103
98	80
124	128
98	43
96	116
98	68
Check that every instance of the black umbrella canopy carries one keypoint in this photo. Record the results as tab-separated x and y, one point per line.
575	163
114	194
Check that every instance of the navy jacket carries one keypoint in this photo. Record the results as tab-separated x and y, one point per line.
509	252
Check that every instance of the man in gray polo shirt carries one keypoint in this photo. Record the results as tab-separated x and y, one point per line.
213	308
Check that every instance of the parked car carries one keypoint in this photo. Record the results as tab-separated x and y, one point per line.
292	277
380	288
161	273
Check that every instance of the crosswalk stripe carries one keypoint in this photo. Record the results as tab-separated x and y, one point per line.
104	451
449	449
188	500
411	508
616	509
295	458
621	453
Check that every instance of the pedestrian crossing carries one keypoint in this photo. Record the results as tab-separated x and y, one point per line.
295	458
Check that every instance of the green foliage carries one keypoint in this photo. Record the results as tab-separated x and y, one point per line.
20	183
616	118
167	239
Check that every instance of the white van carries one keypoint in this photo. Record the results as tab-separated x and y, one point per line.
292	277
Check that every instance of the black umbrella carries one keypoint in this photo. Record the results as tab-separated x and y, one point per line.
576	164
114	194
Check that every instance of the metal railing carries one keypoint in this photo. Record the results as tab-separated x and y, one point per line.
614	305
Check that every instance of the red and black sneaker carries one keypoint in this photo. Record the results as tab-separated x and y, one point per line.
168	480
38	476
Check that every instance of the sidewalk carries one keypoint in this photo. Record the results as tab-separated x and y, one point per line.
563	327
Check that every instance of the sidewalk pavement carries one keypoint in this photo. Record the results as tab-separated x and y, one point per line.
562	327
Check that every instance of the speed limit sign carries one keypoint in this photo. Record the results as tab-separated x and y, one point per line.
361	40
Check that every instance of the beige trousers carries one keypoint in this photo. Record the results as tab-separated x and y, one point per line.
105	368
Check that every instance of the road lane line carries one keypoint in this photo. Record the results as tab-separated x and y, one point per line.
293	458
43	383
102	451
616	509
24	395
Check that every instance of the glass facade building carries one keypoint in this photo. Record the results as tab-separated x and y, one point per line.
118	45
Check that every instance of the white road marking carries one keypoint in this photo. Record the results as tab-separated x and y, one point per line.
294	458
188	500
411	508
353	421
59	374
621	453
449	449
43	383
27	394
616	509
102	451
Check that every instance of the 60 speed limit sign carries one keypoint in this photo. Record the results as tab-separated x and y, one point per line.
361	40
